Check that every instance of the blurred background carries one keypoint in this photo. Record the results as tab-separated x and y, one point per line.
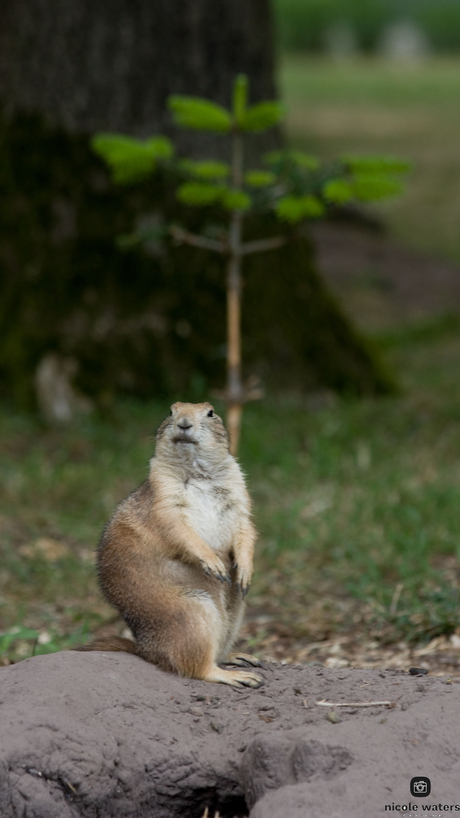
381	77
353	456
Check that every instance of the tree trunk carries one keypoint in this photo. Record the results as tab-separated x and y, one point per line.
111	65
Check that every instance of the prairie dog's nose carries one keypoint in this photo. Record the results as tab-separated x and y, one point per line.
184	423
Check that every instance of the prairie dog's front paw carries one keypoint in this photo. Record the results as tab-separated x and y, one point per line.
213	566
243	577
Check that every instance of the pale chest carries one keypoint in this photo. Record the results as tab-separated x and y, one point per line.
213	512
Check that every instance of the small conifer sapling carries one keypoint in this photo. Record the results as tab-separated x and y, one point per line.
293	185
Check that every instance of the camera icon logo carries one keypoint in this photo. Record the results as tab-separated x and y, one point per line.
420	786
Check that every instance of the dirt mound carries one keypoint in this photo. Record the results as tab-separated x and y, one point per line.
109	735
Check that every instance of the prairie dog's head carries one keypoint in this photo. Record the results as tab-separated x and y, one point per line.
192	430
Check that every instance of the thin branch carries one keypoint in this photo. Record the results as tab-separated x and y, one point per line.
249	391
262	244
184	237
324	703
259	246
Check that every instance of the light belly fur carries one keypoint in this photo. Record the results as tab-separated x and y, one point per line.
210	517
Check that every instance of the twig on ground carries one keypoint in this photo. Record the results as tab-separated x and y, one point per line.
325	703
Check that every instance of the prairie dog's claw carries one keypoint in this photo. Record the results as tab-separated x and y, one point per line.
242	659
216	570
243	579
238	679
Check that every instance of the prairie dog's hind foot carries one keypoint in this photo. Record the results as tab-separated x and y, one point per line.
235	678
242	659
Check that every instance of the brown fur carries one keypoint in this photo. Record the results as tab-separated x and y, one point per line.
176	557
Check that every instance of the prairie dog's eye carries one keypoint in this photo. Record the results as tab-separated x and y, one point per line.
210	414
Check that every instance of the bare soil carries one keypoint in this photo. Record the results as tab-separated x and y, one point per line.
109	735
380	283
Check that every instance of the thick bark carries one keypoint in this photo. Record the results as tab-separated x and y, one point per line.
110	65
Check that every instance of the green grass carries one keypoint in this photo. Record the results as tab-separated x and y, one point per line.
373	106
368	498
353	501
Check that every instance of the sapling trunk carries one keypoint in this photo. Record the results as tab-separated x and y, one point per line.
234	383
236	393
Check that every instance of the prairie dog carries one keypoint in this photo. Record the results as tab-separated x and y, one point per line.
176	557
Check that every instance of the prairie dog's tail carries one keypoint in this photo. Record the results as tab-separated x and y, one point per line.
118	643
